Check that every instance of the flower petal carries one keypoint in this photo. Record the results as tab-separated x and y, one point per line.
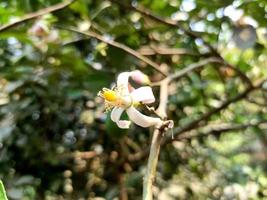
143	94
142	120
123	79
115	116
124	124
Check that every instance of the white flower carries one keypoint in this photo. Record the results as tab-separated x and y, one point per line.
120	99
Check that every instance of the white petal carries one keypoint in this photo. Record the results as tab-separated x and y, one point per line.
142	120
124	124
115	116
143	94
123	79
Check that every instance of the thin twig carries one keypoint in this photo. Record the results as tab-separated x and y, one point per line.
196	123
217	129
165	82
147	13
133	145
183	72
37	14
123	189
204	62
79	154
163	99
119	46
192	67
153	50
167	22
206	116
264	104
238	72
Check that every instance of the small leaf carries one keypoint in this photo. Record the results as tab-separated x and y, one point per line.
101	48
2	192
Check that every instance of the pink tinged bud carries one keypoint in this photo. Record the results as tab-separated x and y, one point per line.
140	78
39	29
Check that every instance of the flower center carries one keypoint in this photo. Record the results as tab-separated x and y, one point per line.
117	97
110	95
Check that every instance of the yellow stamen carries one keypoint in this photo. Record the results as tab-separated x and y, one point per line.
147	80
110	95
136	104
117	97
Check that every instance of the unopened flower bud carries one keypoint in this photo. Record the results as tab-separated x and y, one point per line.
39	29
140	78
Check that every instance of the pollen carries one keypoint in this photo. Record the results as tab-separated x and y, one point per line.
115	97
110	95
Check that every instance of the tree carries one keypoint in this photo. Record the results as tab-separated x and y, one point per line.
206	62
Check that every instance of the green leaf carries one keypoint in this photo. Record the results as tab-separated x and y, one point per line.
2	192
112	129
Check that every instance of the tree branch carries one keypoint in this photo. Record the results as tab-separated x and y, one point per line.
206	116
152	165
167	22
202	63
155	144
192	67
183	72
256	102
119	46
153	50
37	14
163	100
244	78
217	129
195	123
123	188
187	31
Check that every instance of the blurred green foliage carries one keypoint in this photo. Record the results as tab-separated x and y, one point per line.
57	143
2	192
